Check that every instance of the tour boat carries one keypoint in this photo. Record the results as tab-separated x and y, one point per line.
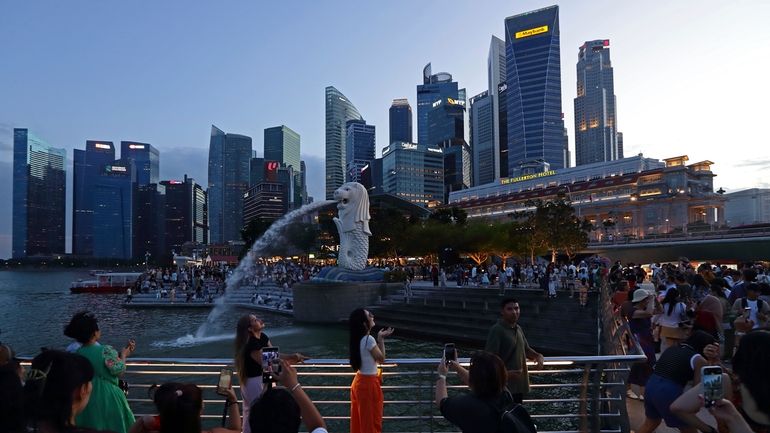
107	282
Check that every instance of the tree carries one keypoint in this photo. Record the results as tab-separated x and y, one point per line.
553	226
253	231
476	239
453	215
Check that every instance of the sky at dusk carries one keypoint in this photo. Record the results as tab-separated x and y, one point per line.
690	76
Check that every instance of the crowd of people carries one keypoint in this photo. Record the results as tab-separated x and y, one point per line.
79	390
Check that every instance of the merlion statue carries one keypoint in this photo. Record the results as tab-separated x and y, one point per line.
353	225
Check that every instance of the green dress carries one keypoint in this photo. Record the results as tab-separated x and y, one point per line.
107	408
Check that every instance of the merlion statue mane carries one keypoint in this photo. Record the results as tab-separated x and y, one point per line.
353	225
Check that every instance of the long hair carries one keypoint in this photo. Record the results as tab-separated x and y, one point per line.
357	323
179	406
750	364
671	298
51	384
487	375
242	334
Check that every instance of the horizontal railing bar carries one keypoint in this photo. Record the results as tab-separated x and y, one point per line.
340	362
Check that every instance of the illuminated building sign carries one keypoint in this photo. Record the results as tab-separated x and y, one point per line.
102	146
455	101
175	182
408	146
136	146
115	168
431	149
531	32
437	103
507	180
271	166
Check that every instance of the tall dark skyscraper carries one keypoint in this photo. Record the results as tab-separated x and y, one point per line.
595	116
339	110
114	193
39	191
360	147
482	135
229	160
186	214
502	127
446	130
400	121
146	159
533	78
282	145
88	166
434	87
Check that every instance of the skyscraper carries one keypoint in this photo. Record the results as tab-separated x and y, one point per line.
502	127
229	160
414	172
88	166
39	191
338	111
146	159
282	145
495	77
360	148
482	135
186	214
446	129
113	199
595	116
434	87
400	121
533	78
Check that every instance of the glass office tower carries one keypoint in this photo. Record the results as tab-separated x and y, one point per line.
146	160
186	214
400	116
282	145
360	148
88	165
533	78
414	172
113	198
229	160
496	76
434	87
338	111
39	191
596	136
482	135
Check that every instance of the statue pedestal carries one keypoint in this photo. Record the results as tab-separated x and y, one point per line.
333	302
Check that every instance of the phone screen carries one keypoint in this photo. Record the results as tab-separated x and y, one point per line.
269	357
449	352
711	377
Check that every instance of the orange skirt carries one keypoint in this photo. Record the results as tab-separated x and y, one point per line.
366	404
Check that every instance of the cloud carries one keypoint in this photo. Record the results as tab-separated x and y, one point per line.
178	161
6	137
755	163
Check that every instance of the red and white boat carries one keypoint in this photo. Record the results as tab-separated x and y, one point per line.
107	282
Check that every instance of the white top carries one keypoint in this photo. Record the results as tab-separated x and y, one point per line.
368	364
753	316
320	430
672	320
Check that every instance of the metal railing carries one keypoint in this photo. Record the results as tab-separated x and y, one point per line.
570	394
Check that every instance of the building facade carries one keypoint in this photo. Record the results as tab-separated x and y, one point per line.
149	221
414	173
533	78
631	197
596	133
750	206
371	176
113	217
39	196
496	76
283	145
339	110
482	139
88	166
400	121
360	148
186	214
434	87
229	164
146	159
266	200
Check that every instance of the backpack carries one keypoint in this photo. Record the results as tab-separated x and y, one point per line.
515	419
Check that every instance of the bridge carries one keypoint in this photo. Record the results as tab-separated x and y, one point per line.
750	244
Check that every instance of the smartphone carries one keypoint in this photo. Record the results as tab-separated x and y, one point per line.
449	353
225	381
711	378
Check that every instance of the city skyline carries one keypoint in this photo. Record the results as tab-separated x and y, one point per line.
659	76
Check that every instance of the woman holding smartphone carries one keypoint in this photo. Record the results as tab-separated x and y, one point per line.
249	342
366	391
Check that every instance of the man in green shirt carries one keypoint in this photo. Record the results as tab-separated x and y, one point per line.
506	339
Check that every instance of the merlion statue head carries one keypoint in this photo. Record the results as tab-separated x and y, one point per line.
353	206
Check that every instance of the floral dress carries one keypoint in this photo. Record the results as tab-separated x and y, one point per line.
107	408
